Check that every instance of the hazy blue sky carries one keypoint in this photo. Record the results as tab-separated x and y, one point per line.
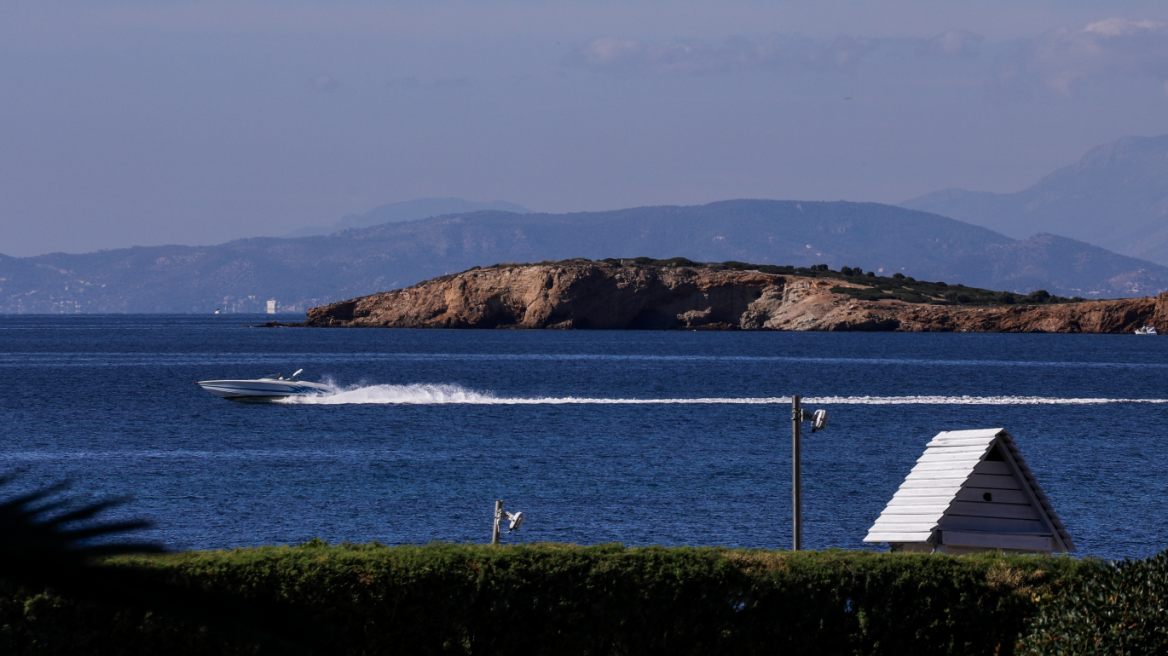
138	123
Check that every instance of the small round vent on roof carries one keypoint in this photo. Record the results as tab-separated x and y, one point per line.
987	496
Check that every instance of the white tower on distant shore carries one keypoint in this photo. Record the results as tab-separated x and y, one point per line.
271	306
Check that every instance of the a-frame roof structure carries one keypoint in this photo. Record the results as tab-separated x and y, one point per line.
971	490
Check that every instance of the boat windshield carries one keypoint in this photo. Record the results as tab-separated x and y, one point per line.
274	376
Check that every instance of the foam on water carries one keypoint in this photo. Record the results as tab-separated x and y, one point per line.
424	394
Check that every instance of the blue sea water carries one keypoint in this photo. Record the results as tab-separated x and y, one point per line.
637	437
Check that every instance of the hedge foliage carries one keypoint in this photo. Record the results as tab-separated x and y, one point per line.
565	599
1121	610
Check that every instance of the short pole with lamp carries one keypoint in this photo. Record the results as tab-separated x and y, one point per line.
514	519
818	421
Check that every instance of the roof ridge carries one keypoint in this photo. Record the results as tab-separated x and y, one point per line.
1040	494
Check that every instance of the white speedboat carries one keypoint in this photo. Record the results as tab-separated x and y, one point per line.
1146	330
268	388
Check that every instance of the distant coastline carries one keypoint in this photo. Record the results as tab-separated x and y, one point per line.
679	294
245	275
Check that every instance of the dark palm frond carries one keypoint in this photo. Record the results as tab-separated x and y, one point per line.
43	550
28	532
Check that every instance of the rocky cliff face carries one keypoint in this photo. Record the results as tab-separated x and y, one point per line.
596	295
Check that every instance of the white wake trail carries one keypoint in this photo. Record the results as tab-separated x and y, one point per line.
422	394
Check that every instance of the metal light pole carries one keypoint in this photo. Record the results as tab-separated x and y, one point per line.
498	519
819	422
797	469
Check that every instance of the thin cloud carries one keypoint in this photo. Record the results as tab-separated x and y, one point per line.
954	44
1059	60
697	57
414	83
1055	62
325	83
452	83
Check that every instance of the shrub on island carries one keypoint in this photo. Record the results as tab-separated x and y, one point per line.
897	286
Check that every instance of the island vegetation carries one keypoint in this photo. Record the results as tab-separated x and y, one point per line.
896	286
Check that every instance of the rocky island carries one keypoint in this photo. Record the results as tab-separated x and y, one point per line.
682	295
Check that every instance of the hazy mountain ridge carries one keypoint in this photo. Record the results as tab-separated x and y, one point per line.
410	210
1115	196
310	271
1054	262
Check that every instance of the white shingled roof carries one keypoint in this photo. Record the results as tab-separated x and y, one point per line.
990	503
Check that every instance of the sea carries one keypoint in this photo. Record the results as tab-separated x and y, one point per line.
633	437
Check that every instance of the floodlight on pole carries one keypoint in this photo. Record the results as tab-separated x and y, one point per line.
514	520
818	421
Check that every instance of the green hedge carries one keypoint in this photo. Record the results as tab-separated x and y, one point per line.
1122	609
565	599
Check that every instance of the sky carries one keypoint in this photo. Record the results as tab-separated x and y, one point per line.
129	123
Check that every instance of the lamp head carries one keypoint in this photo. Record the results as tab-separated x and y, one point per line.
819	420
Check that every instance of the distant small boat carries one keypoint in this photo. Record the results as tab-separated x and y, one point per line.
1147	330
216	310
269	388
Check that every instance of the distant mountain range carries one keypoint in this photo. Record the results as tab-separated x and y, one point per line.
1116	196
307	271
410	210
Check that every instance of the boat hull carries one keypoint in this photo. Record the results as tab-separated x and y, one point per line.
262	390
